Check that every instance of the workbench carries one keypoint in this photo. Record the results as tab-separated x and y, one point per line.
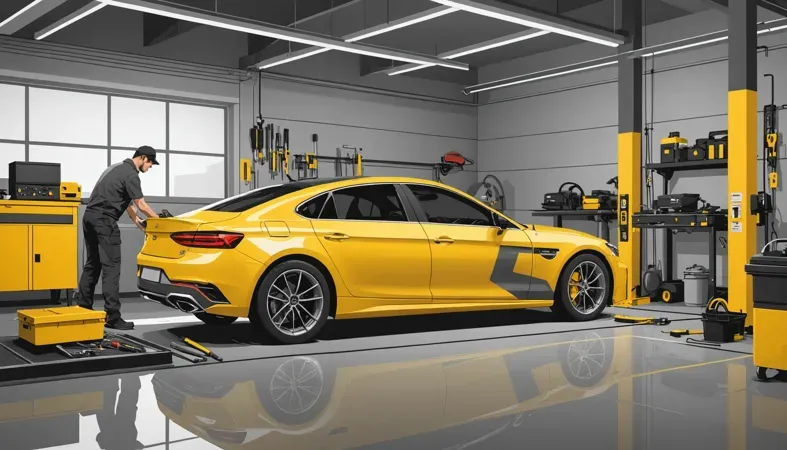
710	223
600	216
40	242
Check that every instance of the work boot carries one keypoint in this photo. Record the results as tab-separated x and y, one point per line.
120	324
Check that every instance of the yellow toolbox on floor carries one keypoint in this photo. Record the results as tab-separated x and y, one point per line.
49	326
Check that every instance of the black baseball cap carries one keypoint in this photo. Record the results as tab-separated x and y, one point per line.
148	151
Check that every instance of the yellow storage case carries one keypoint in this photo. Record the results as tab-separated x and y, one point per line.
50	326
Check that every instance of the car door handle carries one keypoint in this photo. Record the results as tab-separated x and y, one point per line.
337	237
444	240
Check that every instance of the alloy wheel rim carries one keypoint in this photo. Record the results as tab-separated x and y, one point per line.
587	287
585	357
294	302
297	385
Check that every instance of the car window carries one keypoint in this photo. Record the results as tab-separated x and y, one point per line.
443	206
371	202
312	208
251	199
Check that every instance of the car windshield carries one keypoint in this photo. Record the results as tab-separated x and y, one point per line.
251	199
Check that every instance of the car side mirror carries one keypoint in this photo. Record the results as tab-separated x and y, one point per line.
502	224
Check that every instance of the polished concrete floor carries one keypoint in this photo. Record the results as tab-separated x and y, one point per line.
525	382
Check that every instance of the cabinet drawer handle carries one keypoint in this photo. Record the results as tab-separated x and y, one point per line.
38	257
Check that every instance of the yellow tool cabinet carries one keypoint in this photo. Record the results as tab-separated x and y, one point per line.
39	245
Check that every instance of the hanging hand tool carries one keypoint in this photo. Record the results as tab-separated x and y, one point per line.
202	349
189	351
286	154
642	320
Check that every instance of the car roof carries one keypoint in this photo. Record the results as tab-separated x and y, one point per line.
359	180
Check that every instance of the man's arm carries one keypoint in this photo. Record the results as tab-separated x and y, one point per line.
132	213
134	188
143	206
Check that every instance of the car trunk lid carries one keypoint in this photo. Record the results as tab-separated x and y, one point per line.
158	232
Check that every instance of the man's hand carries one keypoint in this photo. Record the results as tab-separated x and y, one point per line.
139	223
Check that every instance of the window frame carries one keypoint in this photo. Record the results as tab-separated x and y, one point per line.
409	213
423	218
164	153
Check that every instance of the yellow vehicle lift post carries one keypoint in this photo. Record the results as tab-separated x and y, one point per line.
742	119
630	147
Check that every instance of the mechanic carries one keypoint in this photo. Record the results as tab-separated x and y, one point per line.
117	187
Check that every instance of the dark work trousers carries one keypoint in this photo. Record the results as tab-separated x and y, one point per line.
102	242
117	420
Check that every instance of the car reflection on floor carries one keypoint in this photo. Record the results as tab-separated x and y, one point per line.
299	400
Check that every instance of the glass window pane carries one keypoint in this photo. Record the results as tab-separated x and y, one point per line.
376	202
83	165
443	206
12	112
154	182
68	117
196	176
8	154
139	122
197	129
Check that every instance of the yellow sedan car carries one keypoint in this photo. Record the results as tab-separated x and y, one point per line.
290	256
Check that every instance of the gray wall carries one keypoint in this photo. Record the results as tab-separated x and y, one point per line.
387	125
537	135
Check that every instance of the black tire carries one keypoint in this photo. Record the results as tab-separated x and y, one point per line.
213	319
264	320
563	305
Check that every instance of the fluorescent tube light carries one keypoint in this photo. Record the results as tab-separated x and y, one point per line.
521	20
506	40
490	46
19	13
684	47
397	24
283	59
551	75
71	18
276	32
410	69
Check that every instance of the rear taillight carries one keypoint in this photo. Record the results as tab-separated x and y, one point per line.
208	239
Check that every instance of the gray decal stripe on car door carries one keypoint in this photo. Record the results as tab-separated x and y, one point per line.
523	287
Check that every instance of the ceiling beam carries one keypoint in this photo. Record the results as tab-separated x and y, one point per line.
774	6
537	19
75	16
248	26
269	61
690	6
27	15
157	29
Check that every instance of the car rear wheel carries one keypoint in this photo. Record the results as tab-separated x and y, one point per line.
584	289
293	302
213	319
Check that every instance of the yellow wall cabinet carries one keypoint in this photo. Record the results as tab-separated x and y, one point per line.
39	245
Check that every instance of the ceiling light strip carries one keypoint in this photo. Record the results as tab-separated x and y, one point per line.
19	13
483	9
551	75
294	56
401	23
366	33
277	32
464	51
494	84
76	16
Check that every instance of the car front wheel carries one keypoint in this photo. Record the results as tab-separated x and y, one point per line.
293	302
584	289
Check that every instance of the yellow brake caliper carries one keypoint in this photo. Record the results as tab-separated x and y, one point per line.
574	289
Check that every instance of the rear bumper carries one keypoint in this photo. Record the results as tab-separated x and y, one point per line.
186	297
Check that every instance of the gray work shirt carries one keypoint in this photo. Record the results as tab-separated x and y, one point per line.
115	189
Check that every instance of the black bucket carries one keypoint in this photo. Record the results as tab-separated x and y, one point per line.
723	326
